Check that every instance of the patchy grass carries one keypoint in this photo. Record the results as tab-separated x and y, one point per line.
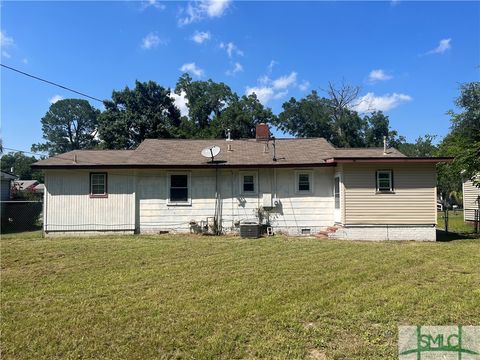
222	297
457	228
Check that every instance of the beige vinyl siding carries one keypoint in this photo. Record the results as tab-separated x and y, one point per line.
69	206
412	202
470	202
295	211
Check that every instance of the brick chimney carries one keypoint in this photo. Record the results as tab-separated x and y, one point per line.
262	132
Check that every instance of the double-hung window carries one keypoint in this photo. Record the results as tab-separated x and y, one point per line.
179	189
304	182
384	180
248	182
98	184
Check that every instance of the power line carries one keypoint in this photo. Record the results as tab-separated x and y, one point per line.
51	83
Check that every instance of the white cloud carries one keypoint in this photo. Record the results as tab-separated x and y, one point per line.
237	67
272	89
378	75
285	81
201	36
271	65
370	102
55	98
181	102
5	41
193	69
304	85
443	46
152	3
6	54
151	41
231	49
264	93
25	61
199	10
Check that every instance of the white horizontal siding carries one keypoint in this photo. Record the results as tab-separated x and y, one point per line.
471	194
294	212
69	206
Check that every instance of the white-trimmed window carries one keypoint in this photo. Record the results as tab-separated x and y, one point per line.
304	181
248	182
178	189
384	180
98	184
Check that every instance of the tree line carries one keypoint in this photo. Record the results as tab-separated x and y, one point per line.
148	110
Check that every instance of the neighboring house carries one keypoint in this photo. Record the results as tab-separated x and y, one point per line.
6	187
299	186
471	199
25	185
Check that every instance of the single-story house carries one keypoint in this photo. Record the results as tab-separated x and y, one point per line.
295	186
32	186
471	201
6	179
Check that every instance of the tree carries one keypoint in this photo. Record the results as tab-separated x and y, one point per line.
333	119
307	117
463	141
241	117
146	111
21	165
423	147
69	124
348	124
207	100
377	126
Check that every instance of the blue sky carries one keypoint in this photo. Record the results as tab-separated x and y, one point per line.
408	57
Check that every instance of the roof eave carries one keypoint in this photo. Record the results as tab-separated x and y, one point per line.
391	159
179	166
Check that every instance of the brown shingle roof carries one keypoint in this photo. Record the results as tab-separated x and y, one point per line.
186	153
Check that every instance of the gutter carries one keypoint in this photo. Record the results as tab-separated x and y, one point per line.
179	166
396	159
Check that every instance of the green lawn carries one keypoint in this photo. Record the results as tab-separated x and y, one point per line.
455	222
224	297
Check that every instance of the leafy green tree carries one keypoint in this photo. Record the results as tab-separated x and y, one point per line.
21	165
307	117
423	147
378	126
69	124
241	117
207	100
463	141
133	115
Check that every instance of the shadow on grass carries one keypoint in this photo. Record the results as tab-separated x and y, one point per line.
6	229
452	236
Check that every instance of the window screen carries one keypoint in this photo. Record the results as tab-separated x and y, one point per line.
248	183
178	188
98	183
384	180
303	182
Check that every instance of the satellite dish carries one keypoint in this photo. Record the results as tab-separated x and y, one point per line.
211	151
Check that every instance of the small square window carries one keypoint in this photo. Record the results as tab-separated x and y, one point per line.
98	184
303	181
384	180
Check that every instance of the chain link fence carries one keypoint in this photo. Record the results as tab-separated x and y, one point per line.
21	215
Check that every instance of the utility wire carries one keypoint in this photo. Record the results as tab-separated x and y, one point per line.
51	83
